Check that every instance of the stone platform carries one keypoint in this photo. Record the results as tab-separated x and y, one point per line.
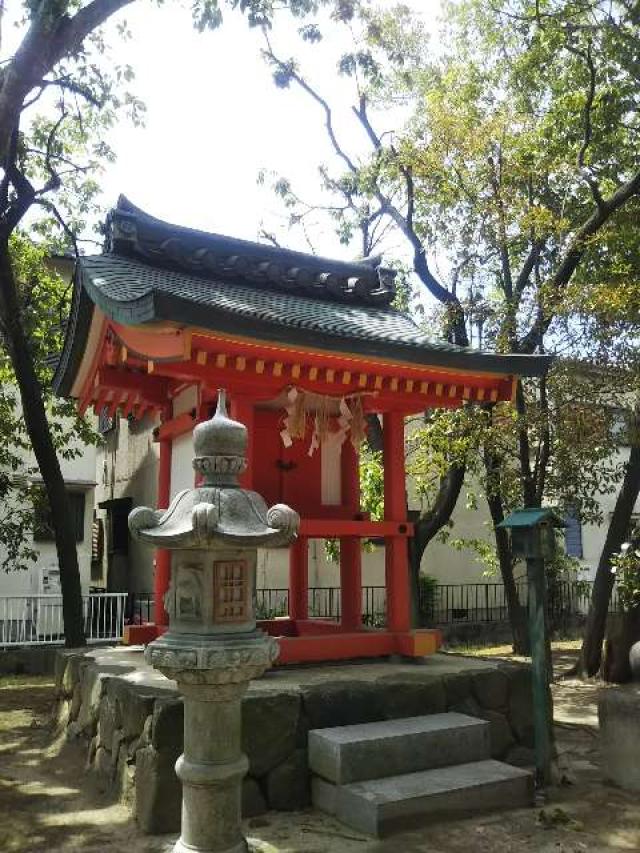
131	718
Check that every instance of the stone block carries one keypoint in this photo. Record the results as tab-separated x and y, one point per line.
104	763
619	716
108	721
382	806
133	703
92	685
253	801
117	741
145	736
76	701
521	703
125	778
491	689
74	730
158	792
500	734
457	687
91	752
373	750
288	785
269	729
406	696
468	706
62	714
521	756
342	703
68	671
167	732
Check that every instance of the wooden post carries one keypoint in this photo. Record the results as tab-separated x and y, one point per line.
299	579
350	547
395	509
350	583
163	558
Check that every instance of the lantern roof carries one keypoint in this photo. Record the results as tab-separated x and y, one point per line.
218	513
155	273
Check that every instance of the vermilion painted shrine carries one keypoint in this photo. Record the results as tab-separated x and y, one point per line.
305	347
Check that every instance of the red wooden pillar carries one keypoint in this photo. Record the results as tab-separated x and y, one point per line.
163	558
395	509
242	409
299	579
350	550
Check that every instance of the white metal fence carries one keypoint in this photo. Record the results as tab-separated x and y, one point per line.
33	620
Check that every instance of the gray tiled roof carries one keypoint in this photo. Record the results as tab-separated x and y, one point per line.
122	280
131	291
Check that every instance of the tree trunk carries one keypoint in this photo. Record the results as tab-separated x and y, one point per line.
517	613
622	633
428	525
35	418
591	651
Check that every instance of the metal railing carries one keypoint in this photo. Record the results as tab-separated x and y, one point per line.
139	608
440	604
324	602
33	620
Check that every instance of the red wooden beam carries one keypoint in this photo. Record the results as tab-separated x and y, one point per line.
341	361
153	389
319	528
173	428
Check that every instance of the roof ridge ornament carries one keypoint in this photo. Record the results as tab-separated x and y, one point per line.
131	232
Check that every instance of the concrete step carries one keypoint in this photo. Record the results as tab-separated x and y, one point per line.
372	750
383	806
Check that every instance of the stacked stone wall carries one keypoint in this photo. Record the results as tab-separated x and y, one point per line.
133	733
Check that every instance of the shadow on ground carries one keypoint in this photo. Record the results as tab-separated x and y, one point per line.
49	802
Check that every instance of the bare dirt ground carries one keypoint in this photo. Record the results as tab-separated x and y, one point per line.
49	803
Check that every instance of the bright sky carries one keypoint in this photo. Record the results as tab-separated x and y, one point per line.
215	118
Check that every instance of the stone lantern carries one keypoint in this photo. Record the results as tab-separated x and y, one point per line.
212	648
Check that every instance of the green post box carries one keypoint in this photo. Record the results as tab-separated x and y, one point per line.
533	539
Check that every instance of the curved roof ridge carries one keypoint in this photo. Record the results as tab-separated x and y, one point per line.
132	232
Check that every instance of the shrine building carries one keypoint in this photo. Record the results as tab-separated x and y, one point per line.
306	348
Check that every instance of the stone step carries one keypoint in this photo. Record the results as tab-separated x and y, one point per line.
383	806
372	750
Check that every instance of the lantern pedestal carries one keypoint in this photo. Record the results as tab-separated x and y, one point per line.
213	675
212	648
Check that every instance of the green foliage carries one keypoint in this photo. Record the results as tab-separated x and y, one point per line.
427	591
626	567
372	483
371	497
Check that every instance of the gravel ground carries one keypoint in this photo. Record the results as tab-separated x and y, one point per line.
49	803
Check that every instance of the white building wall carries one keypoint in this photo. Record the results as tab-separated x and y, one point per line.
79	474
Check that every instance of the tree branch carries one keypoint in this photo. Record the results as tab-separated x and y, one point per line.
50	37
587	56
575	252
328	115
